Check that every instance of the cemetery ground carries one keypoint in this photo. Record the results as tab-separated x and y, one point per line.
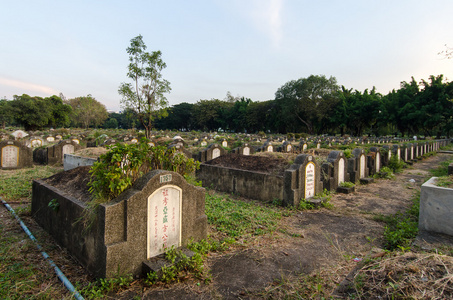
257	250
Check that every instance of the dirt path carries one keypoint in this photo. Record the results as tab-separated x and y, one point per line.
315	242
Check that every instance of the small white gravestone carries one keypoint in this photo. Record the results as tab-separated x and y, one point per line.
215	153
59	137
340	171
67	149
246	151
318	145
309	180
270	148
412	152
134	141
398	154
18	134
288	148
304	147
203	144
36	143
378	162
224	144
362	166
50	139
151	144
10	156
164	219
77	141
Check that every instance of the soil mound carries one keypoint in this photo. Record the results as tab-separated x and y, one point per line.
262	164
73	182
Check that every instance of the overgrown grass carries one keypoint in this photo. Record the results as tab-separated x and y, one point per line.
24	274
237	218
16	184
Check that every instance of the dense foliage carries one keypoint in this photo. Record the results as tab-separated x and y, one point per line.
118	169
315	105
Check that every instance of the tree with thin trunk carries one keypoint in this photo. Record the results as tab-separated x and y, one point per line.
146	95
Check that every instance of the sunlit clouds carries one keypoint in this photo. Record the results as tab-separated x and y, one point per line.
27	87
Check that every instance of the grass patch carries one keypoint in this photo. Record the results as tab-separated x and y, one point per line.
16	184
237	218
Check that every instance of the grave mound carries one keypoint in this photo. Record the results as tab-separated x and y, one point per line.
262	164
72	182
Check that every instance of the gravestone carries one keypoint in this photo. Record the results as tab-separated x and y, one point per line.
357	168
19	134
302	180
374	160
159	211
396	151
55	154
15	155
224	143
336	170
35	142
50	139
212	152
245	149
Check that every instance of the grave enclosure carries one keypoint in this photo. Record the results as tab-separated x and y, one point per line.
161	210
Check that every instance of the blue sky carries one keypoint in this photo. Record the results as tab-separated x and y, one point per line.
247	47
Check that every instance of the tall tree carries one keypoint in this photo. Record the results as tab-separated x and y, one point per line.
5	112
307	101
87	111
146	95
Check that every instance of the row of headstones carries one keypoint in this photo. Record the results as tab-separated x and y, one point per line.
16	155
314	177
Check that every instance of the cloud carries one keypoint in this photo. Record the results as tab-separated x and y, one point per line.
27	87
267	17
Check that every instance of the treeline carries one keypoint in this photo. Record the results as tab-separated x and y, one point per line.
36	113
314	105
317	105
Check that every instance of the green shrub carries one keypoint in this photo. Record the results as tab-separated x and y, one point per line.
396	165
118	169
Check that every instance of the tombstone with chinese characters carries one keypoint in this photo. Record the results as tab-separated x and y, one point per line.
34	142
55	154
302	180
15	155
160	211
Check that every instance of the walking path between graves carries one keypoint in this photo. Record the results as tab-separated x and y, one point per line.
324	242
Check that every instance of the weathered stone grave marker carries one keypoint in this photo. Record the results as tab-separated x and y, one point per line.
159	211
15	155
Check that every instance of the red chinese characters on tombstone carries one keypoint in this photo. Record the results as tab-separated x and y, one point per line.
164	220
309	180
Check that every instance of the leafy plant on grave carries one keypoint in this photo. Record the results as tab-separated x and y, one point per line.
396	164
347	184
385	173
347	153
123	164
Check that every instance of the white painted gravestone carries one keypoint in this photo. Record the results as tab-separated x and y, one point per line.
362	166
224	144
309	180
215	153
340	171
164	219
246	151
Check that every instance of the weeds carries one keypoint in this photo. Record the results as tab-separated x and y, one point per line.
238	218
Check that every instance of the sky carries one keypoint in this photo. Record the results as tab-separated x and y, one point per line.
249	48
